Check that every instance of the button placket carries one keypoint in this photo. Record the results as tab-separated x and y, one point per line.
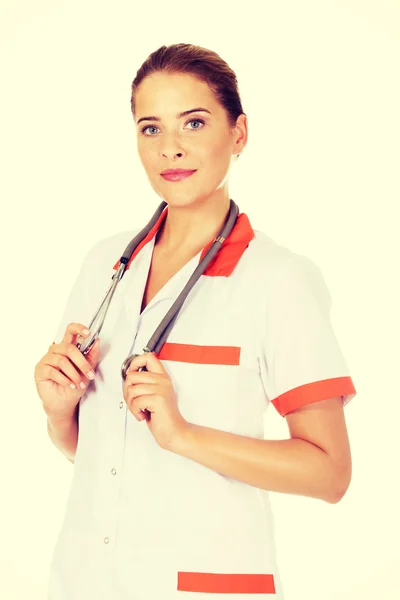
114	456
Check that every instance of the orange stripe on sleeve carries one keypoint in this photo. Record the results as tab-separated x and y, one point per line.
312	392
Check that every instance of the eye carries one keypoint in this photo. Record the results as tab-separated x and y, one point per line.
190	121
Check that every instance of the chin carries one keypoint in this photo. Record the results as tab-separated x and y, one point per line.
176	199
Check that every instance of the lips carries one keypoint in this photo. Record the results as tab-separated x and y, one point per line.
176	174
176	171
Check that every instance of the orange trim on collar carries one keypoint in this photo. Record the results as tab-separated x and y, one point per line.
226	258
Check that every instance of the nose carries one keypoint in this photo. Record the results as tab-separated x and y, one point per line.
172	155
171	148
171	152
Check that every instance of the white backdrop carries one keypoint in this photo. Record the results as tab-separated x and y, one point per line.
319	82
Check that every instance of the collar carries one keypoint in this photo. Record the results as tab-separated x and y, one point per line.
226	258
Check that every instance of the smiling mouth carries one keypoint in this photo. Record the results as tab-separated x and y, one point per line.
177	176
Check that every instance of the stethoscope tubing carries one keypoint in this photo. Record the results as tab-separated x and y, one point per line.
96	324
159	336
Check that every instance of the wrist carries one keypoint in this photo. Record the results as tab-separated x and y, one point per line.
181	439
62	420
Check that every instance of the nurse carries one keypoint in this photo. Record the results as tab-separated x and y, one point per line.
170	491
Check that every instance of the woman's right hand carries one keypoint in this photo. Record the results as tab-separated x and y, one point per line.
63	365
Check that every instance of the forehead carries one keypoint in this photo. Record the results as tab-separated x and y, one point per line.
174	91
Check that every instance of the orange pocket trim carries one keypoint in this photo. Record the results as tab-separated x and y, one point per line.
222	583
204	355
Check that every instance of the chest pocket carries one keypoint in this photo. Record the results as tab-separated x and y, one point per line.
206	381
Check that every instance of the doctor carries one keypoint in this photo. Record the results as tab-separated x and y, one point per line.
170	465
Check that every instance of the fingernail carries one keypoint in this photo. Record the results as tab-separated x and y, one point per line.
90	374
85	331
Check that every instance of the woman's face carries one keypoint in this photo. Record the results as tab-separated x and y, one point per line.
199	140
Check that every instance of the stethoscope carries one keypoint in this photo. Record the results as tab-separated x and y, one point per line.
161	333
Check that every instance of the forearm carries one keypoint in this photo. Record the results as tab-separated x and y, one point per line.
64	434
291	466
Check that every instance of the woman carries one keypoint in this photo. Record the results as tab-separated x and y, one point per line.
180	502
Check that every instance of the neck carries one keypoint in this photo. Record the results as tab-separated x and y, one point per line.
188	229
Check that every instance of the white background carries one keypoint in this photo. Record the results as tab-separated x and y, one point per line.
319	82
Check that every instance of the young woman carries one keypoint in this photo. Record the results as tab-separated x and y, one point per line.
170	492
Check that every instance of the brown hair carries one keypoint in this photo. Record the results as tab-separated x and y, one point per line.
199	62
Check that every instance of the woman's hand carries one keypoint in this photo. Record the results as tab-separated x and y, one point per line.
152	391
63	365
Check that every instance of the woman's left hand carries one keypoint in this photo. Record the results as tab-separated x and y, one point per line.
152	391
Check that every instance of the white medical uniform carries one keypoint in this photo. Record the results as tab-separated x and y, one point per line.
143	523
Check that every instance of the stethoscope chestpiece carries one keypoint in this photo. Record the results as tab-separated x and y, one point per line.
128	360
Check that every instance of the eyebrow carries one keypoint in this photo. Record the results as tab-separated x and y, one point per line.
178	116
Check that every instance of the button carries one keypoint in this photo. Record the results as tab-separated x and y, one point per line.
121	404
113	471
106	540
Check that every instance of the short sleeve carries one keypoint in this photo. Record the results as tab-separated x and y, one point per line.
301	361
